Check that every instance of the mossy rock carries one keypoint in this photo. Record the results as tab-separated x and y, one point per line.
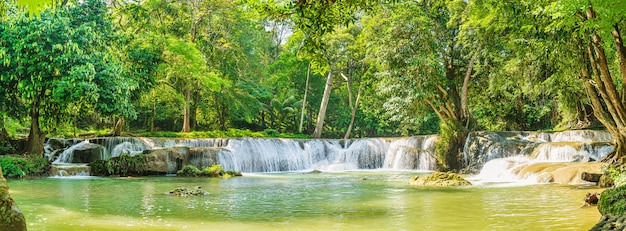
610	222
11	218
440	179
613	201
188	192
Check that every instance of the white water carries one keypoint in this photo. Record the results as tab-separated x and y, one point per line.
498	156
546	157
275	155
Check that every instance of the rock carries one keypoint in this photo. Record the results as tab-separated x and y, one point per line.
591	177
11	218
591	199
87	153
613	201
166	160
610	222
201	157
439	179
187	192
315	171
606	181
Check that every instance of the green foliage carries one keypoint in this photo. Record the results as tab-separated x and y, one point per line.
619	174
271	133
6	147
450	140
213	171
208	134
188	171
17	166
123	165
613	201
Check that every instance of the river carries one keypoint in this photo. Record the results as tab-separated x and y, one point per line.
350	200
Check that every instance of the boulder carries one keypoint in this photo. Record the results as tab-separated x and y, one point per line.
439	179
11	218
606	181
591	177
188	192
87	153
612	206
613	201
166	160
201	157
610	223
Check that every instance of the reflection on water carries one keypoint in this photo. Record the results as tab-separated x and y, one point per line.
295	201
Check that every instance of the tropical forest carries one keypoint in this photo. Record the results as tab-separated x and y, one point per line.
312	115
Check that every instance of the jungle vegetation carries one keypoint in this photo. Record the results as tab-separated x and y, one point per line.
329	68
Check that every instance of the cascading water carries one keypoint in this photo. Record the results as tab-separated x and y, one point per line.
542	157
269	155
497	156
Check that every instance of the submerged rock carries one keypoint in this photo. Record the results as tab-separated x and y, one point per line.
315	171
11	218
188	192
591	199
439	179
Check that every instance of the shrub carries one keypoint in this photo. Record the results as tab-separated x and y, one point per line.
16	166
271	132
6	147
122	165
214	171
99	168
189	170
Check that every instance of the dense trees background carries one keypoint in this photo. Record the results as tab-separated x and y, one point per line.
327	68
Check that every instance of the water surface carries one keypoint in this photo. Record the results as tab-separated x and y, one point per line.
297	201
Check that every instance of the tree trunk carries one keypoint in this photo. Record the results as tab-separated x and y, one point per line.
353	106
621	53
464	91
186	127
193	108
153	114
36	137
306	91
319	126
4	135
119	125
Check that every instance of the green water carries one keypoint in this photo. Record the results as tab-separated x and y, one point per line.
295	201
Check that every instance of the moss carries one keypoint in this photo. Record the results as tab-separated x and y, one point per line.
451	140
440	179
613	201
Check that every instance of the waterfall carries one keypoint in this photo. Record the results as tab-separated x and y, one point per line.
537	157
499	156
268	155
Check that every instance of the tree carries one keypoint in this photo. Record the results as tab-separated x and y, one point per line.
185	70
592	23
59	58
423	68
316	19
